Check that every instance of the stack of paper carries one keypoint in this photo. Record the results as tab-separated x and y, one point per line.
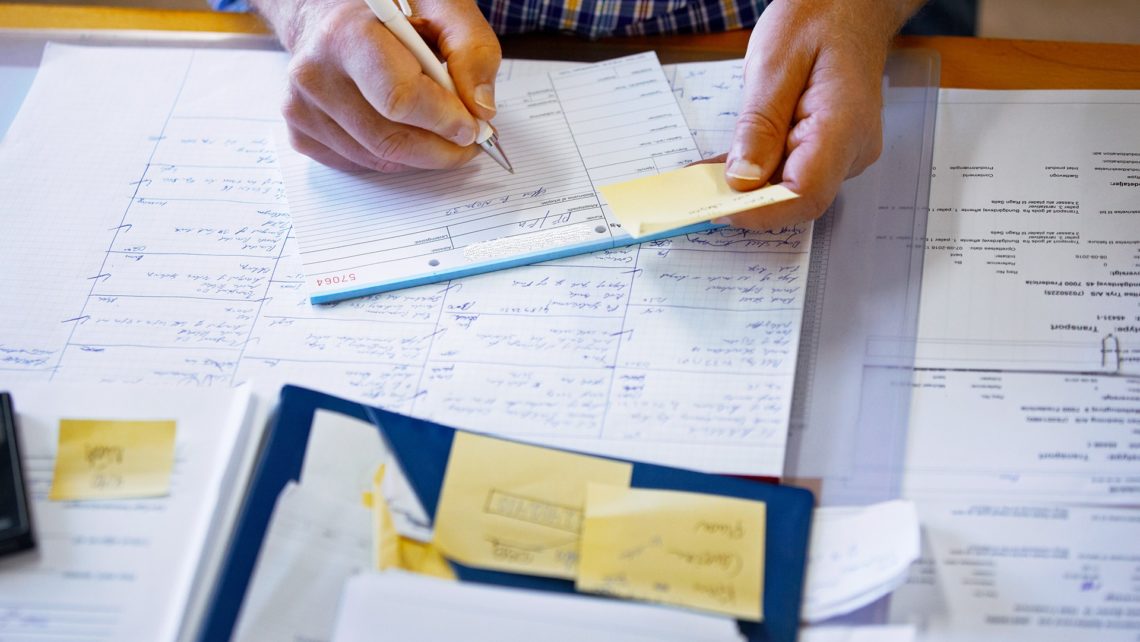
858	555
321	533
125	568
413	607
871	633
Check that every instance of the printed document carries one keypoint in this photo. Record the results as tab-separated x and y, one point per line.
1022	453
1003	572
1029	310
1034	226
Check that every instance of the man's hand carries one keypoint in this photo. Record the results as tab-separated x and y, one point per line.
812	102
358	99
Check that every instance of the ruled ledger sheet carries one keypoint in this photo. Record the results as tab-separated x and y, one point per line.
148	239
566	132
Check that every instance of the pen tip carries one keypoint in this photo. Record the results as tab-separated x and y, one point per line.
495	150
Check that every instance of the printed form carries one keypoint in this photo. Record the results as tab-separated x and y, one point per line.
1023	450
1031	300
567	132
154	202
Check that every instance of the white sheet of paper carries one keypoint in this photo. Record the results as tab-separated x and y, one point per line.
566	132
1034	220
314	543
342	454
870	633
125	569
857	555
1013	572
414	607
173	262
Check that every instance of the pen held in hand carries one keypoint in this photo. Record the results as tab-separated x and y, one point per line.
397	23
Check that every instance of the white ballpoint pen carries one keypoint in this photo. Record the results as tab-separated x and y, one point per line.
396	22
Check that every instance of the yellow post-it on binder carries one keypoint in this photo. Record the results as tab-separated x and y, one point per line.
110	459
517	508
686	196
688	549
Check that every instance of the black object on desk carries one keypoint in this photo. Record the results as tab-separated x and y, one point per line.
15	518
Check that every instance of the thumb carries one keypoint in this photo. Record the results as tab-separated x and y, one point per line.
469	47
775	75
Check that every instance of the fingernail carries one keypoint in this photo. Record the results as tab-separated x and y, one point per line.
744	170
485	97
466	135
724	220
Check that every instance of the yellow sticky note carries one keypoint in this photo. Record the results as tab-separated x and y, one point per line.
689	549
109	459
517	508
683	197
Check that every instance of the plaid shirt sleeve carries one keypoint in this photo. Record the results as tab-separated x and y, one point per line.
230	5
597	18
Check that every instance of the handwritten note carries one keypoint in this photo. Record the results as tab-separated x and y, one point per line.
109	459
694	550
515	507
683	197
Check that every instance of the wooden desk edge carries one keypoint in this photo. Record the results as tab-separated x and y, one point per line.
966	62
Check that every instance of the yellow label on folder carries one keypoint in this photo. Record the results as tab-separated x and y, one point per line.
385	540
517	508
689	549
682	197
110	459
424	559
392	550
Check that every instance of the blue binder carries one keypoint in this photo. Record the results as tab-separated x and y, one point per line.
423	448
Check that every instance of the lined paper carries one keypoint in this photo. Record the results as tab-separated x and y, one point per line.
153	244
567	132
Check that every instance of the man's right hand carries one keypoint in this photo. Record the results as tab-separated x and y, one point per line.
358	99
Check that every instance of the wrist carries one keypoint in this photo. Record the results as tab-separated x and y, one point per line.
289	19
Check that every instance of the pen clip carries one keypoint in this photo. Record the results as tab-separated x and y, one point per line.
405	7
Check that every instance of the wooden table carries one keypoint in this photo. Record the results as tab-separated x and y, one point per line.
966	62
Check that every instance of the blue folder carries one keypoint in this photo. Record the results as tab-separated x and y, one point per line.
423	448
